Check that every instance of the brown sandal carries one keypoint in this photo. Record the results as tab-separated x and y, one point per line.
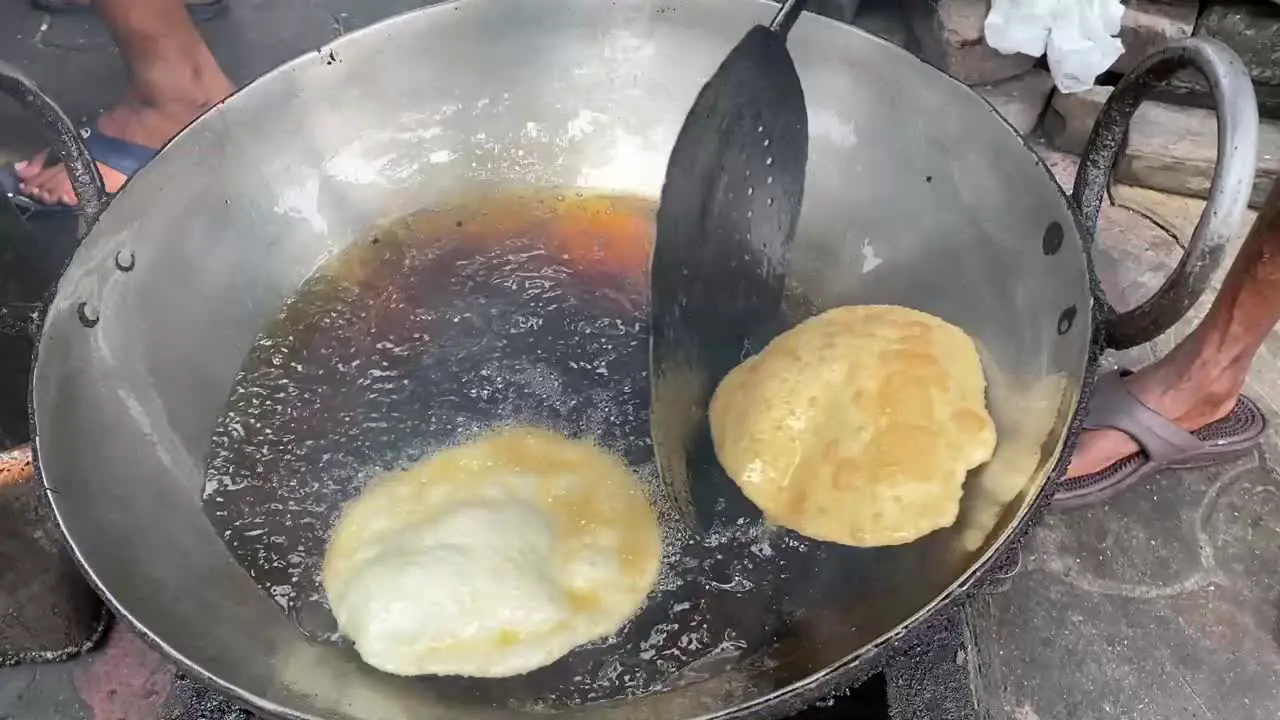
1165	446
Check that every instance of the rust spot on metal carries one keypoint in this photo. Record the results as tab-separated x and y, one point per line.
16	466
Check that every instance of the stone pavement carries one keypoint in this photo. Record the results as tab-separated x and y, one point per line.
1160	604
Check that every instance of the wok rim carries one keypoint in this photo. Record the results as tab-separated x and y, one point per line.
855	667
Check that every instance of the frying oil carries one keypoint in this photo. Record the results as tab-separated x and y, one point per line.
521	308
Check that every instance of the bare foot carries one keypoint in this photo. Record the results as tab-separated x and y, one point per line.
1190	398
150	122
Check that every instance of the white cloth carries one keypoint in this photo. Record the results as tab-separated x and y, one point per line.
1077	35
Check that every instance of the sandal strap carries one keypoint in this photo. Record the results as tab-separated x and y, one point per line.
1113	406
124	157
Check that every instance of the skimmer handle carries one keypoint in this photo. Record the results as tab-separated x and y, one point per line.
787	16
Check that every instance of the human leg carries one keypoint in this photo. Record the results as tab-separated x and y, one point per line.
173	78
1199	380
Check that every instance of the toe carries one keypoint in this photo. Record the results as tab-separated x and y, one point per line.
53	185
1099	449
60	191
112	179
31	167
50	186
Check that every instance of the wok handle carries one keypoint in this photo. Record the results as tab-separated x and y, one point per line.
86	181
1237	110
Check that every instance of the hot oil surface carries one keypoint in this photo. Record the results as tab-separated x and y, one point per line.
527	309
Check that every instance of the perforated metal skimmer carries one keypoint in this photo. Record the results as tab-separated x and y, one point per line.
729	208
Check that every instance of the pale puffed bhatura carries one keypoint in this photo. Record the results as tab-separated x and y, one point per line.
493	558
858	426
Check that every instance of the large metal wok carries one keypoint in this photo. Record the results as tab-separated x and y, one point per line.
918	194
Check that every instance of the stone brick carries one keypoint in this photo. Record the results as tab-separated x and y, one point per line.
950	37
1071	116
1022	99
1170	148
1150	24
1188	88
1252	30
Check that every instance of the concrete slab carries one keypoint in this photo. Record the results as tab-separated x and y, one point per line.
1160	604
37	692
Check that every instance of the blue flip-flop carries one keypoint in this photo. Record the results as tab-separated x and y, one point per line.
124	157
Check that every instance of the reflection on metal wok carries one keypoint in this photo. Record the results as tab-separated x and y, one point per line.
378	249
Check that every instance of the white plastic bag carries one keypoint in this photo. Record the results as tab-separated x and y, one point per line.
1077	35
